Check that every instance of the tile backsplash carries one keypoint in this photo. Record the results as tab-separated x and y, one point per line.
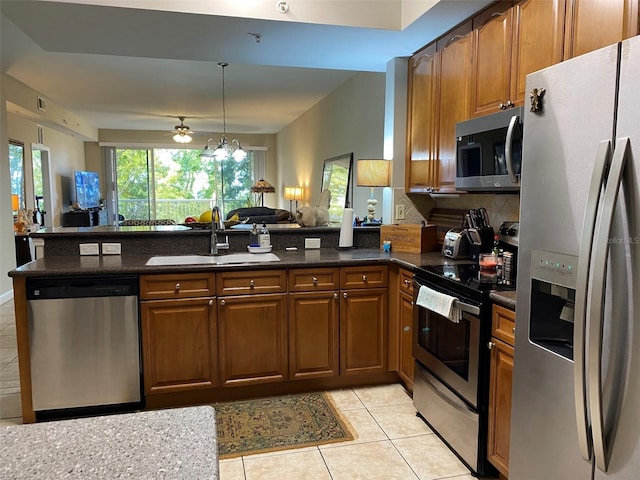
500	207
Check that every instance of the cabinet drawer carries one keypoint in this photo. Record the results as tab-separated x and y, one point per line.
260	281
405	280
503	325
364	277
177	285
313	279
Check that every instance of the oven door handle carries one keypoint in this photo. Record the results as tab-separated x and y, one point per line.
465	307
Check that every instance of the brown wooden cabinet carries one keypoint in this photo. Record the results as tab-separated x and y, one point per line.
405	369
179	335
363	319
423	109
595	24
455	84
501	380
509	43
537	41
313	334
313	322
492	34
252	328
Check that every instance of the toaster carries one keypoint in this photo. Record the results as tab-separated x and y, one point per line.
456	244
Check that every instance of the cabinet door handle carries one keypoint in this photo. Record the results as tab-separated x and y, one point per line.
513	330
344	294
177	287
364	278
407	328
223	303
211	302
314	280
490	345
252	284
335	296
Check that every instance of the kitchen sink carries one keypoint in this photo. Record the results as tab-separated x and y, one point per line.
212	260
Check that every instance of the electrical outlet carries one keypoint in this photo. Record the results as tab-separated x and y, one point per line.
399	212
311	243
89	249
111	249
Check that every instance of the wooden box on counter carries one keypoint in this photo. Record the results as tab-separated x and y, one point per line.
409	238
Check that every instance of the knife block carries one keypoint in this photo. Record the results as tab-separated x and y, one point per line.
486	239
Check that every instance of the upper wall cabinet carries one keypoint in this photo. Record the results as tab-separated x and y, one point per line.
511	41
422	114
595	24
455	95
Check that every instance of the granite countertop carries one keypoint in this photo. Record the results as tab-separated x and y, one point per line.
176	443
135	264
506	299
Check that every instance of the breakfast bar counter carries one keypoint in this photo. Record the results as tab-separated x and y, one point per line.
177	443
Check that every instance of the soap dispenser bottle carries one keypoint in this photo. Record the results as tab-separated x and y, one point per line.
254	241
264	238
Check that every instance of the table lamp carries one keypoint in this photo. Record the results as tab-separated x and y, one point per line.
262	187
373	173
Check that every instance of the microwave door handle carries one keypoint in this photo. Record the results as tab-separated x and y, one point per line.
594	370
603	158
508	147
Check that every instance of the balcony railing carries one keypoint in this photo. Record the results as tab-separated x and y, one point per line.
174	209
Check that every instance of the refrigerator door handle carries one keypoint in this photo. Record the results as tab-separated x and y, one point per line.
598	176
596	303
508	148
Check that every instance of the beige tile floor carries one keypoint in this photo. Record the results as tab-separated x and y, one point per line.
391	443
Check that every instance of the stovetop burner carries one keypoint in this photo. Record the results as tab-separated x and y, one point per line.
466	277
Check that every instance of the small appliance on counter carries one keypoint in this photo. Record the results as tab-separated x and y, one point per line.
456	243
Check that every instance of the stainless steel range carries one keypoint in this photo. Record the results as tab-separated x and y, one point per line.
451	384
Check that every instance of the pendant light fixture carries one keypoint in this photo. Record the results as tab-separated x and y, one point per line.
224	150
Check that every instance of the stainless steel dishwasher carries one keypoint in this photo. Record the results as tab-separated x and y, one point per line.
84	343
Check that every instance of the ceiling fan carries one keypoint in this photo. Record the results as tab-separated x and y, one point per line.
182	133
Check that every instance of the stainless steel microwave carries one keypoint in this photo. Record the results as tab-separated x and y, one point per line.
489	152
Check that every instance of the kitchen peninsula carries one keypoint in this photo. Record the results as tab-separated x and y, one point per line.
314	319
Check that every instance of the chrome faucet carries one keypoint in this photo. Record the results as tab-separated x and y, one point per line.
217	226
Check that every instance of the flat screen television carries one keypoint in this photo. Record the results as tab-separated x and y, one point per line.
87	185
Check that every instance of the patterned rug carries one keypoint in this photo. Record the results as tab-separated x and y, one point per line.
277	423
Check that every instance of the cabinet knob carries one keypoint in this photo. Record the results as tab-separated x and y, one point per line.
344	294
490	345
177	286
502	106
335	295
364	278
407	328
211	302
222	302
252	284
513	330
314	280
406	282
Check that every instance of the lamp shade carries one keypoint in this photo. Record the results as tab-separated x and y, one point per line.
15	202
262	186
289	193
373	173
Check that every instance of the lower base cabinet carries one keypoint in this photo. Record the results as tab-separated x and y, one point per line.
500	383
252	339
363	331
407	362
313	335
179	345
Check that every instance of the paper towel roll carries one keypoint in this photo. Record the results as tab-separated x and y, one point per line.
346	230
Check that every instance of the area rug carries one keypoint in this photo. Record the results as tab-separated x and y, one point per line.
277	423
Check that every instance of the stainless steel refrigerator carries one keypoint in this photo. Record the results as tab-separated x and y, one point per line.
576	380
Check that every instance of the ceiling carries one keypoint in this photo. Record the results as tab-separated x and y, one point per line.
140	68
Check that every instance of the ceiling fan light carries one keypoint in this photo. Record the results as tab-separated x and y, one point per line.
182	138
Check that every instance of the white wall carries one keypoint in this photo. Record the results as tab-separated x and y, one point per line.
350	119
7	245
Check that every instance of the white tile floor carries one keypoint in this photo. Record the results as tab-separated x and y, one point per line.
391	443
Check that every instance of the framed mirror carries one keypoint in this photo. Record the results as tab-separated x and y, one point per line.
336	176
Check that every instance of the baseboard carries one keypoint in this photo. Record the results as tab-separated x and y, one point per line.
6	297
